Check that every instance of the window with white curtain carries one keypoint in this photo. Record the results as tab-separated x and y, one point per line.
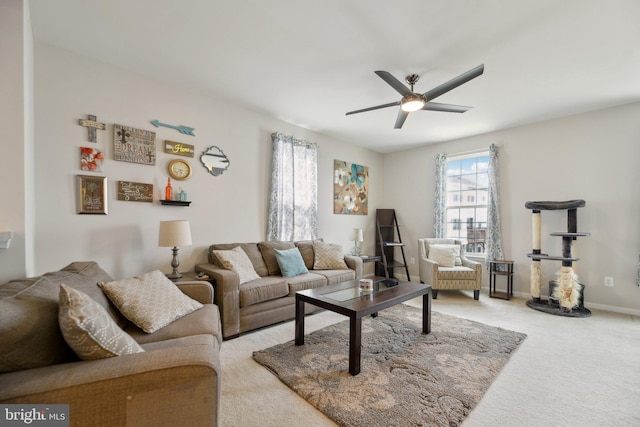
293	206
467	199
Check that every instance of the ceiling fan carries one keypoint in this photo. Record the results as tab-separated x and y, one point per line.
412	101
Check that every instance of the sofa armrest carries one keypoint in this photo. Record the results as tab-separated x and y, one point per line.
476	266
355	263
176	384
201	291
227	291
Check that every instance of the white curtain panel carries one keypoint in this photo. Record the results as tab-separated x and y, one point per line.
494	231
293	205
440	208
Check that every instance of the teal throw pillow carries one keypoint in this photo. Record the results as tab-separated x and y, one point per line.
290	262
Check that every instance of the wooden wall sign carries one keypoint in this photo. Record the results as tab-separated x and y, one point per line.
134	145
135	191
178	148
92	124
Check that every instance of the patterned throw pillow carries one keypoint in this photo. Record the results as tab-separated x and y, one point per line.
151	301
237	260
89	329
328	256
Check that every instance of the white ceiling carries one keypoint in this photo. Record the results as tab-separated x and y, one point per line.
308	62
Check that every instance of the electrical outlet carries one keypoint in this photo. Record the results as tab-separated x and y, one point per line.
608	281
412	260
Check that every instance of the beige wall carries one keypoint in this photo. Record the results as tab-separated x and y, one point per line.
591	156
228	208
16	138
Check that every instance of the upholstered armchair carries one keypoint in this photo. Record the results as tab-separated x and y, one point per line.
443	265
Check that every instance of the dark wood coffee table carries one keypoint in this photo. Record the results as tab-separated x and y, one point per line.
346	299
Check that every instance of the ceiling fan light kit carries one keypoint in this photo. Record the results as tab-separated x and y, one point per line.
412	101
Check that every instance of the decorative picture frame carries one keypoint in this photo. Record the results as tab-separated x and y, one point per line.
91	159
350	188
134	145
92	194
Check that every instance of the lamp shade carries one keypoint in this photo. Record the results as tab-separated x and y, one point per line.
357	235
174	233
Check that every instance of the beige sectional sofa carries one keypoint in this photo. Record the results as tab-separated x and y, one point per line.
175	381
270	298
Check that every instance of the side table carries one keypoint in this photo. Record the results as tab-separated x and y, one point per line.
370	258
494	271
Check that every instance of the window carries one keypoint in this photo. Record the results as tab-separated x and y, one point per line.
467	190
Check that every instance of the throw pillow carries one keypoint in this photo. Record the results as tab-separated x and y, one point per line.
455	248
89	329
151	301
445	257
237	260
328	256
290	262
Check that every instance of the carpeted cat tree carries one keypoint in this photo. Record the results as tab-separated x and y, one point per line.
566	293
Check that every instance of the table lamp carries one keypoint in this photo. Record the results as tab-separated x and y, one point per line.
174	233
357	238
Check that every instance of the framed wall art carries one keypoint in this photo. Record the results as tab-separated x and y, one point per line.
92	194
134	145
91	159
350	188
135	191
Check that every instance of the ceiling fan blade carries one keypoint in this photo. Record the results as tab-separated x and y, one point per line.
377	107
402	116
454	83
394	83
449	108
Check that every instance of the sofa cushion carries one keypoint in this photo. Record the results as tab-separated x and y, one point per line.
29	333
269	256
336	276
290	262
252	251
263	289
151	301
85	276
328	256
89	330
305	281
237	260
306	250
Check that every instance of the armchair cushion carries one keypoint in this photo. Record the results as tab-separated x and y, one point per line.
455	248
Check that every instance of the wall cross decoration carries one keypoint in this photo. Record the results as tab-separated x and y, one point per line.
92	124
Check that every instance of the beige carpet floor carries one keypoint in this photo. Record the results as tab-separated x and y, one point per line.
568	372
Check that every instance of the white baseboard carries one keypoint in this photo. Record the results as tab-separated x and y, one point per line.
596	306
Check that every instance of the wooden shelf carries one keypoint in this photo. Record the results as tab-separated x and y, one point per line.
174	203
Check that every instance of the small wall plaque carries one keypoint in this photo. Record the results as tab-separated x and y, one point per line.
179	148
135	191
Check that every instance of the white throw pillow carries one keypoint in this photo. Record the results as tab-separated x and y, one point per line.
151	301
328	256
237	260
89	330
445	257
456	250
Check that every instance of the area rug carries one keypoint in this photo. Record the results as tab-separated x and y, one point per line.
406	378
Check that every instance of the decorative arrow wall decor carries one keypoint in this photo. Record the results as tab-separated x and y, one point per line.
182	129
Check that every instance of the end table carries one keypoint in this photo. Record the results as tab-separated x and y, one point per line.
189	277
494	271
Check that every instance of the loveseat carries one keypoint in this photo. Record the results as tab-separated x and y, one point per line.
270	298
174	381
